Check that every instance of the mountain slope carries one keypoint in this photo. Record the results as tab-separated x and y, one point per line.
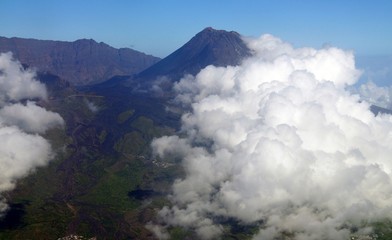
210	46
80	62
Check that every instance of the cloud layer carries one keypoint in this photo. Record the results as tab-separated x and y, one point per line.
379	96
16	83
21	148
278	141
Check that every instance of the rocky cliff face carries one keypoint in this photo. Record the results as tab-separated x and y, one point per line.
81	62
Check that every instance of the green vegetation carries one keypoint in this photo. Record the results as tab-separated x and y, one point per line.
131	143
383	230
125	116
178	233
112	189
137	141
146	126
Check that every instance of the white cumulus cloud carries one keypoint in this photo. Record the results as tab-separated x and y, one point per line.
16	83
278	141
30	117
21	148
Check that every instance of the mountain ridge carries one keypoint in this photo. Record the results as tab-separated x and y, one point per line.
81	62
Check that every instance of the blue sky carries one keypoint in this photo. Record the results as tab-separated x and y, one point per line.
160	27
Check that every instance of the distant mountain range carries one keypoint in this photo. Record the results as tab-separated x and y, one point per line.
208	47
85	62
81	62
